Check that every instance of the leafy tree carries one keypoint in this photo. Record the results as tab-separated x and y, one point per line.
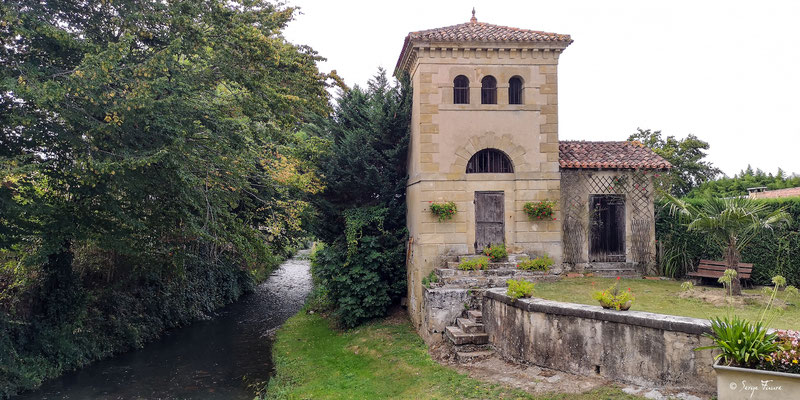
729	223
363	212
686	156
739	183
164	133
147	126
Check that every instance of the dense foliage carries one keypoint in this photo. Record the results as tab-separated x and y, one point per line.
773	252
739	183
362	210
689	170
151	164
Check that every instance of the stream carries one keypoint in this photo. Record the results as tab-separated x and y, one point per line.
214	359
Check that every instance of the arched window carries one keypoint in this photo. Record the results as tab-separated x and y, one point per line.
488	90
489	161
515	90
461	90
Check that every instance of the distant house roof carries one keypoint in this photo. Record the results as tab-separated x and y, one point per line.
774	194
608	155
474	31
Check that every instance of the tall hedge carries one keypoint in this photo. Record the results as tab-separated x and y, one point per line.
363	209
772	253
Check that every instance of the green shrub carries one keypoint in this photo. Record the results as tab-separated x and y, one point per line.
363	284
443	211
772	253
475	264
496	252
741	343
519	289
542	263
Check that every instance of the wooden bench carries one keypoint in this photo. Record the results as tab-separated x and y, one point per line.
715	269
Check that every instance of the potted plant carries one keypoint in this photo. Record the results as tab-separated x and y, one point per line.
613	298
540	210
443	211
755	362
519	289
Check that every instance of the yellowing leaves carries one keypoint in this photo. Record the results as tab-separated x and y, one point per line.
287	171
113	118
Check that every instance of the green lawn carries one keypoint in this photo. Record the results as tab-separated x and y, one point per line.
663	297
382	360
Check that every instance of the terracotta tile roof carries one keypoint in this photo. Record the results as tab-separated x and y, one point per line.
609	155
483	32
474	31
774	194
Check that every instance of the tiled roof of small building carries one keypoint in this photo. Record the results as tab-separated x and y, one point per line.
609	155
474	31
774	194
483	32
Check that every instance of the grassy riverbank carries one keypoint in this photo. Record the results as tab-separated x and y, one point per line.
381	360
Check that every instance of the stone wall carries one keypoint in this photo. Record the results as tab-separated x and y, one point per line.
637	347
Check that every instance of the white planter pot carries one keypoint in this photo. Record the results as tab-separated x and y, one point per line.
734	383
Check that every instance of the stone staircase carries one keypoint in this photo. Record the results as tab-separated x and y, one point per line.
495	276
468	337
469	340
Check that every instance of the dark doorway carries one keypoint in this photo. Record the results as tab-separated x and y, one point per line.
489	225
607	228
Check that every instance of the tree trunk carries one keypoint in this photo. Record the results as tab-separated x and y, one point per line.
732	262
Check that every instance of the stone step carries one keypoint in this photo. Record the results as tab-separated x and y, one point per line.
475	316
512	258
499	272
459	337
613	273
469	326
473	356
481	281
492	265
596	266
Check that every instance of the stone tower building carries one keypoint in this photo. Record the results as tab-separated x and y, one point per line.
485	136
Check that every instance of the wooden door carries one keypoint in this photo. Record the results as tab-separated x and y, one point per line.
607	228
489	221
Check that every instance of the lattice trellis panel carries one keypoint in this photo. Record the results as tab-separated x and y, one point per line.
636	186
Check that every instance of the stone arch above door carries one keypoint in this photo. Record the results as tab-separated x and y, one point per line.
489	140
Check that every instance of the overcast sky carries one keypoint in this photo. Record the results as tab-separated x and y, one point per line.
726	71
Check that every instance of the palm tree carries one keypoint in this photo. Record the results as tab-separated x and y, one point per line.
729	223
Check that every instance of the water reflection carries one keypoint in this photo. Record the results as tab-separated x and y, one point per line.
213	359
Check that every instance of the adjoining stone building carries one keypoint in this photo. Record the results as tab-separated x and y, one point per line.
485	136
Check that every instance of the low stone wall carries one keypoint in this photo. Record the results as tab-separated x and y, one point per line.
646	349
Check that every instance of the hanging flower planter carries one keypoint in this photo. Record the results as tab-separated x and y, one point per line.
539	211
443	211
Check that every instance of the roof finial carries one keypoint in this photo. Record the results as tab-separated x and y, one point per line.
473	19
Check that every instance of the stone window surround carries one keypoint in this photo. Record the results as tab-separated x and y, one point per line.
475	90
